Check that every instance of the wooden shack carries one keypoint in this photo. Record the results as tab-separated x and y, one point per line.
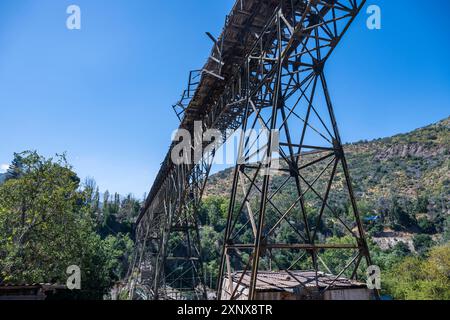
295	285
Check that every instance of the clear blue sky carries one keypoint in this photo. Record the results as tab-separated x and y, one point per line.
103	94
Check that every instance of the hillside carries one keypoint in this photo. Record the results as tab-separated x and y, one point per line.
411	164
2	177
407	175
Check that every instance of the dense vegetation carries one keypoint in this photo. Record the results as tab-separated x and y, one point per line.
422	273
50	221
403	187
423	277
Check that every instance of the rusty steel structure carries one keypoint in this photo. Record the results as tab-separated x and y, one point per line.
266	71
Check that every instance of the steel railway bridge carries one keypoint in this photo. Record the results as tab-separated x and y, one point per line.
265	71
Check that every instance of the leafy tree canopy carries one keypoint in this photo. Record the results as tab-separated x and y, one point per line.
46	226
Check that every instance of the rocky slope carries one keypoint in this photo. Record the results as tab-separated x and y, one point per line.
412	169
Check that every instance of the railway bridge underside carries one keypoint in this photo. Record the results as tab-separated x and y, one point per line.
266	71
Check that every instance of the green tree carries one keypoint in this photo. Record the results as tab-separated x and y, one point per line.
426	226
422	204
400	218
422	243
16	168
417	278
46	226
336	260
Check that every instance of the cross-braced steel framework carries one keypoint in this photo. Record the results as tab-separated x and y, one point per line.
286	91
266	72
167	262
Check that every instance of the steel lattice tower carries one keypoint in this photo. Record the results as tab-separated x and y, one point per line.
287	92
266	72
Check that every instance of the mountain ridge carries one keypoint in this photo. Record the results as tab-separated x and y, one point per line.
403	175
429	144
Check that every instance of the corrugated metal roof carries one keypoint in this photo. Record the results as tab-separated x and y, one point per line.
283	280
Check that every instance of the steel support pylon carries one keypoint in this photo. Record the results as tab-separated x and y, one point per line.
286	93
167	264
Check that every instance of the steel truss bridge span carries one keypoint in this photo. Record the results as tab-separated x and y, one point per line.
265	71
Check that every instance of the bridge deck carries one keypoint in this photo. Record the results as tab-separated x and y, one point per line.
243	24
